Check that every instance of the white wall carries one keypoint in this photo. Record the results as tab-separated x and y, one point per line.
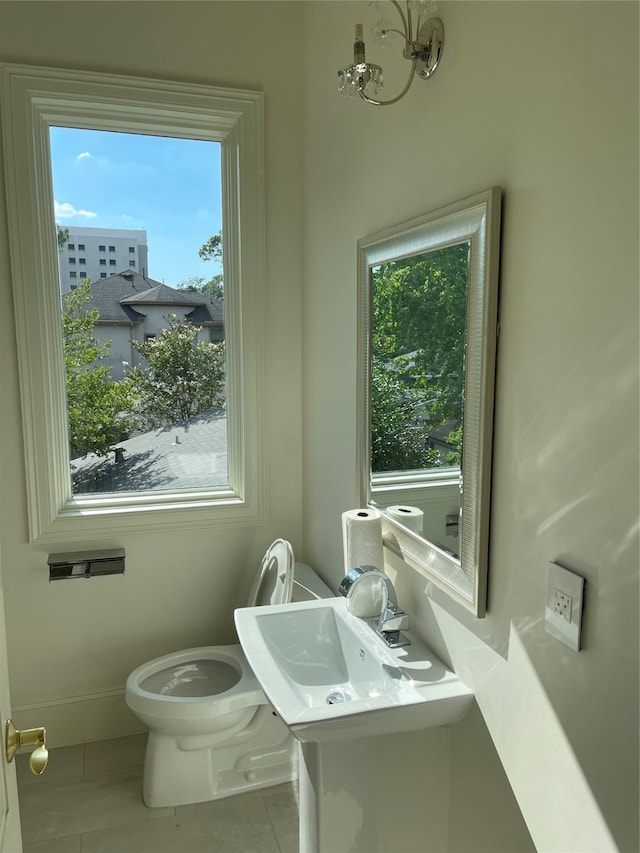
523	99
81	639
541	99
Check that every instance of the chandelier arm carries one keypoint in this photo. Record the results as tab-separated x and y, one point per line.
392	100
407	31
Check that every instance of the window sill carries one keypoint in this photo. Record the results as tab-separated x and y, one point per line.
83	519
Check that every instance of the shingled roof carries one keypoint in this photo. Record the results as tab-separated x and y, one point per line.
161	294
189	454
121	298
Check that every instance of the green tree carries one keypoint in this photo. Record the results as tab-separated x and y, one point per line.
399	441
97	407
63	236
183	377
211	250
419	335
211	287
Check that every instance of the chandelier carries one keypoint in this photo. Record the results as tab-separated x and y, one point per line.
423	46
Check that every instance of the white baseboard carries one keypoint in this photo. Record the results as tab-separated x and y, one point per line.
79	719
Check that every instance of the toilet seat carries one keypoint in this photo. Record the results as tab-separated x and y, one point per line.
184	684
274	580
143	688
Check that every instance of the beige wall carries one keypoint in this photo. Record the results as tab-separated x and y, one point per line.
82	639
521	100
541	99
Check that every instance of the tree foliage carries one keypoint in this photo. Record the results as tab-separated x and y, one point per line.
397	433
98	409
62	235
418	345
183	376
211	250
211	287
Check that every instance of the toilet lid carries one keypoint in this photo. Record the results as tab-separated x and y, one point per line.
274	581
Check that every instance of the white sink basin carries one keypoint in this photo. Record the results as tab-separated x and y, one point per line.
330	676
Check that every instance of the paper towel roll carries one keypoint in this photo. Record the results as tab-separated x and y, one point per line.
410	516
362	539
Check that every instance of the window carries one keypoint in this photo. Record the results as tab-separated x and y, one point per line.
74	287
82	260
73	274
103	262
71	247
103	275
112	263
72	260
132	263
37	100
132	250
81	247
112	248
102	248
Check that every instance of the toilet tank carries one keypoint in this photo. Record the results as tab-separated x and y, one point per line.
307	585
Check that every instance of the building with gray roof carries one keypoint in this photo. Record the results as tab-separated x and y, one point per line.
133	307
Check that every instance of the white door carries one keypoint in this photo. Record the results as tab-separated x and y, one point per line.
10	836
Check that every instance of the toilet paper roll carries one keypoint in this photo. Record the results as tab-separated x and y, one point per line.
362	539
410	516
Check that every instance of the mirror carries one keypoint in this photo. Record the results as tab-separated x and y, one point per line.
428	297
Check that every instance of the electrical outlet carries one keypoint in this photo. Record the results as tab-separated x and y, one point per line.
563	613
562	604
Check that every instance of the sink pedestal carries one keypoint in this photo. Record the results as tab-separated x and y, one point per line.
376	795
371	723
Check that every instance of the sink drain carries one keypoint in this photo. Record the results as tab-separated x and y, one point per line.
338	696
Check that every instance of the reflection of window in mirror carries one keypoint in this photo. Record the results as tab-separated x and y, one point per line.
160	404
419	307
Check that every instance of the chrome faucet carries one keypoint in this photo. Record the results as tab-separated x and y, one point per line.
392	620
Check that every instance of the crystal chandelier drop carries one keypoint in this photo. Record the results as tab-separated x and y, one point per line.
423	46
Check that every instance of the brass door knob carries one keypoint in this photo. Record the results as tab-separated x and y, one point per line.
15	739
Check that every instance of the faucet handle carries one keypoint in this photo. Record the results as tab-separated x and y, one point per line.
394	620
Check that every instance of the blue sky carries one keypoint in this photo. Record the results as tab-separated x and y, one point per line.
168	187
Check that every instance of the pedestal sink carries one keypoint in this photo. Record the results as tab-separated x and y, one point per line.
331	677
366	717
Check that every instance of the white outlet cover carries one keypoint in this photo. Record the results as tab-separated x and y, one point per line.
571	584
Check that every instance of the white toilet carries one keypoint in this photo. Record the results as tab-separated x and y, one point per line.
212	731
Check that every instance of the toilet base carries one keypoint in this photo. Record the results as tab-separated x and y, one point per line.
260	755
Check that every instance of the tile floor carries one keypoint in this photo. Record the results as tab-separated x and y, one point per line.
89	800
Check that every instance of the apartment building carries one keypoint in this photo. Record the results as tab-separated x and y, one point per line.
97	253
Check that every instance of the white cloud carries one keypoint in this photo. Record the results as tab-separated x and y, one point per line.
68	211
97	160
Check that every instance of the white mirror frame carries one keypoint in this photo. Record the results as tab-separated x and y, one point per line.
475	220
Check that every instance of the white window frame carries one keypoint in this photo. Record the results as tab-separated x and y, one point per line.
33	100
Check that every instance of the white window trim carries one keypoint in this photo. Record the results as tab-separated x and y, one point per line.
33	100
